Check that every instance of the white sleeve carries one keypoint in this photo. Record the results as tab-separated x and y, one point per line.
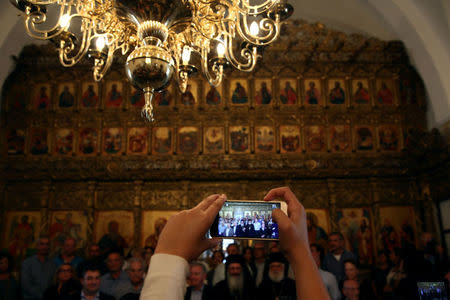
166	278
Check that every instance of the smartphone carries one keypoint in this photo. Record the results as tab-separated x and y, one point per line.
247	219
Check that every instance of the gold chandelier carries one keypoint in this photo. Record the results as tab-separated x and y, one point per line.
165	37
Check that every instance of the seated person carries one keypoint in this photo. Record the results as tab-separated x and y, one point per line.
238	284
197	288
277	285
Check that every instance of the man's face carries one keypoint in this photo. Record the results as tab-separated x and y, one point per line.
259	251
217	258
114	262
335	243
43	246
91	282
136	273
69	247
232	249
94	251
197	276
351	289
276	268
234	269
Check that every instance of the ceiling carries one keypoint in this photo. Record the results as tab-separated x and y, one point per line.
423	26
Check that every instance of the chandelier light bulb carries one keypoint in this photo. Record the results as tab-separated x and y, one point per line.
64	21
220	50
254	28
186	55
100	43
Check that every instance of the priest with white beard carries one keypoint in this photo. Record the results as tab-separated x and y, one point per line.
238	284
276	285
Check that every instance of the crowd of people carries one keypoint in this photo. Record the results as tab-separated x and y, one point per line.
257	227
288	269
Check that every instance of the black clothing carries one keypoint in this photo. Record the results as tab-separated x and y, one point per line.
222	292
102	296
284	290
70	288
207	294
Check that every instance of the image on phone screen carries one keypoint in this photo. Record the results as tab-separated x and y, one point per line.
246	220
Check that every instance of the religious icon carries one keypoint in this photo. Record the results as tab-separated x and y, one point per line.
137	140
356	226
315	139
288	93
42	97
340	138
15	139
360	91
238	91
188	140
388	138
263	93
89	98
318	225
88	140
64	139
162	140
265	139
153	223
384	92
239	139
364	138
214	140
38	141
398	226
188	98
213	94
22	230
163	98
66	224
114	96
17	100
290	139
112	140
66	93
312	92
336	92
137	98
114	229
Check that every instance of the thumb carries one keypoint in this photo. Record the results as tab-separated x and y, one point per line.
281	219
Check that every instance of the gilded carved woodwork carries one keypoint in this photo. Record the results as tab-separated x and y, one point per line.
331	173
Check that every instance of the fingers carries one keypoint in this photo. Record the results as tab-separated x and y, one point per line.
281	219
205	203
214	208
285	193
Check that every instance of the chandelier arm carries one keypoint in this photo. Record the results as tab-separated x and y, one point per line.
68	60
100	67
272	27
250	55
39	17
217	70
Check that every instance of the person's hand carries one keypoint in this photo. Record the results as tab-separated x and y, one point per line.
184	233
292	227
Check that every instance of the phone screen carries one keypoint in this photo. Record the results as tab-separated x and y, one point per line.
432	290
246	220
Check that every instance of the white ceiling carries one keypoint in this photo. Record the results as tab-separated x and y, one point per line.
424	27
